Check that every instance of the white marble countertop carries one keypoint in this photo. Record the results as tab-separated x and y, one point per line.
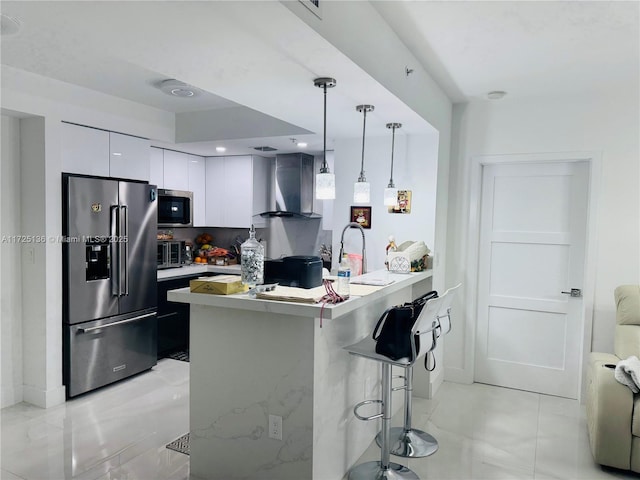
195	269
244	302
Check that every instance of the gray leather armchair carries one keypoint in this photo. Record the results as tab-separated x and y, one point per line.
613	411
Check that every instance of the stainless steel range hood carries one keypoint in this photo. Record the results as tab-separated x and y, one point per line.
292	188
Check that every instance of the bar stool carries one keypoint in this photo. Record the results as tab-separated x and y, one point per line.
424	326
406	441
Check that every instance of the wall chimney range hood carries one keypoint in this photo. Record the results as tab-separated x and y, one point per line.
292	187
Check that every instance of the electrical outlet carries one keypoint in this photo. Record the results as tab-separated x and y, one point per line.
275	427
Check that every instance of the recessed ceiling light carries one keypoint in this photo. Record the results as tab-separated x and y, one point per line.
496	94
177	88
221	149
9	25
302	144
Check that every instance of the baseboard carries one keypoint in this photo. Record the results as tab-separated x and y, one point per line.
43	398
457	375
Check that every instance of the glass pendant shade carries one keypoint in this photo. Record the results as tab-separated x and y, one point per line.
361	192
325	186
390	196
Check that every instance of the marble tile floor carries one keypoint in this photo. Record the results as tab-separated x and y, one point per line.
487	432
120	433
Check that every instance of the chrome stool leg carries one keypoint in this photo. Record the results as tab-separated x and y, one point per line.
406	441
384	469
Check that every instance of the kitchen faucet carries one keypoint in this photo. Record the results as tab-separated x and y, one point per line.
364	255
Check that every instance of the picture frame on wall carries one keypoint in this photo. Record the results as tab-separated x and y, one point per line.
361	216
403	204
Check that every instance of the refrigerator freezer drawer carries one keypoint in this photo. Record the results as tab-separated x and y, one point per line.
101	352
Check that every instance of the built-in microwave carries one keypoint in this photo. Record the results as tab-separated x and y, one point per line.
171	254
175	208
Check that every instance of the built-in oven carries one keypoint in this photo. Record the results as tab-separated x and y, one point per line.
171	254
175	208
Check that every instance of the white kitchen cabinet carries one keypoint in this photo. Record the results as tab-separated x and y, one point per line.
237	190
128	157
176	170
156	167
215	192
91	151
197	185
84	150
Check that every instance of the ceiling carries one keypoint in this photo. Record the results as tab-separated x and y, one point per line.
527	48
255	61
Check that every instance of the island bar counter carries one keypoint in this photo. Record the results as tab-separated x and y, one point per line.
252	358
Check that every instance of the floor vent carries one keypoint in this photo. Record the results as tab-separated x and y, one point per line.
182	356
180	445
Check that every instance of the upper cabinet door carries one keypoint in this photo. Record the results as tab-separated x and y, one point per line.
198	185
176	170
215	192
84	150
156	167
238	187
128	157
237	190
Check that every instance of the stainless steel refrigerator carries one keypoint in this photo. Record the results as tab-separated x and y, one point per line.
109	280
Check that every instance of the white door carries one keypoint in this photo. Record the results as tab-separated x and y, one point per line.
532	247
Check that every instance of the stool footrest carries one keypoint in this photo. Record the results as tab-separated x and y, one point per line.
362	404
401	387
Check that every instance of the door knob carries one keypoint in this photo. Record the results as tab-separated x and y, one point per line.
575	292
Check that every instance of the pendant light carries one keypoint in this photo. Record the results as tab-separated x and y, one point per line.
391	192
362	188
325	180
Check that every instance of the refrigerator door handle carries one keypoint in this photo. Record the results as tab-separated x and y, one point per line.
124	240
114	252
128	320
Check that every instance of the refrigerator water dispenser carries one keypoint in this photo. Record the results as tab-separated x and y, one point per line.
97	265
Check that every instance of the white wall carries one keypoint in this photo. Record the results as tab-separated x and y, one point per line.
415	169
606	123
10	270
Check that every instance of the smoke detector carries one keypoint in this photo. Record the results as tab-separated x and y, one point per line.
496	94
176	88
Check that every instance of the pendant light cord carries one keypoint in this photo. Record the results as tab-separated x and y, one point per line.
324	83
362	178
393	144
393	127
325	167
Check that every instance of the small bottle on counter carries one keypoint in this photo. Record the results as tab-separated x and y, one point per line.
344	277
252	260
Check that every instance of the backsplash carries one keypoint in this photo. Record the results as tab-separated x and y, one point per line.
284	237
222	237
296	236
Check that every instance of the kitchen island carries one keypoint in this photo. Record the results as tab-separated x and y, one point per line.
252	358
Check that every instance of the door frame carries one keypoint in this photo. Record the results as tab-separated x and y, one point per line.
477	164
